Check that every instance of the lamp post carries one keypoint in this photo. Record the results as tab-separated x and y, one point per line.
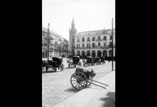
48	47
112	45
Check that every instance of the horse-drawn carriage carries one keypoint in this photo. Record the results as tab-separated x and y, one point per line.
89	61
94	60
102	60
73	61
54	63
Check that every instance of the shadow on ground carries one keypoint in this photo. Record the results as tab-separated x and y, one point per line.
109	101
50	71
72	90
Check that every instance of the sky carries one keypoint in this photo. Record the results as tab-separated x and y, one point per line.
88	15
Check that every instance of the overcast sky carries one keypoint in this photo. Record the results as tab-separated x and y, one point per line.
88	15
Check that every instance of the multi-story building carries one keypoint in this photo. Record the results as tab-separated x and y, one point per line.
58	46
94	43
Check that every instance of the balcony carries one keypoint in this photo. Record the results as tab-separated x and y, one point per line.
88	40
96	47
98	39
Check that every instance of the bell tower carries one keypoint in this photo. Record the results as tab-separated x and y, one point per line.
72	33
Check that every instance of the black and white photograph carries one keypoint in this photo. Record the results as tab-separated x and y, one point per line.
78	53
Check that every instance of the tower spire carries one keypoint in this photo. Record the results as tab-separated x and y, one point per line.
72	33
73	24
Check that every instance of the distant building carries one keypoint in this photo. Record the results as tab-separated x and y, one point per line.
58	46
92	43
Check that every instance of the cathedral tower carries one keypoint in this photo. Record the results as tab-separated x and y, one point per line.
72	33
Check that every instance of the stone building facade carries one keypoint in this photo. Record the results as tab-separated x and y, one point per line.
58	46
93	43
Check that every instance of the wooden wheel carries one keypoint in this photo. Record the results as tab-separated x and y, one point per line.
78	80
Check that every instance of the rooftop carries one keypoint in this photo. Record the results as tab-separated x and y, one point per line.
53	33
93	32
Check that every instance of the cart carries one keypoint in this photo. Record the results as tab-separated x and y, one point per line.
83	78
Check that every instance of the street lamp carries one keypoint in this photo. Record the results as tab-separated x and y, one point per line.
112	45
48	47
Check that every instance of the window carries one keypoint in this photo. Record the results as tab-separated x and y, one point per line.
88	39
82	39
87	45
73	40
82	45
110	44
78	40
104	44
93	45
99	44
99	38
111	37
104	38
93	38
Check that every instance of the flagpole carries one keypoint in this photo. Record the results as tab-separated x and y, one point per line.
112	44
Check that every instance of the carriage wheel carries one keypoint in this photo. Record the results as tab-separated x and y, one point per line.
78	80
90	80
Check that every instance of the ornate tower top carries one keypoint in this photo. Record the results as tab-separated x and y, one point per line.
73	24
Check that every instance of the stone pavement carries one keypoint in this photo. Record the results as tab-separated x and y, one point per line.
94	96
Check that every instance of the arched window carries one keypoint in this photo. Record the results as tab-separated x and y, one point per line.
88	53
99	53
93	53
83	53
104	53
